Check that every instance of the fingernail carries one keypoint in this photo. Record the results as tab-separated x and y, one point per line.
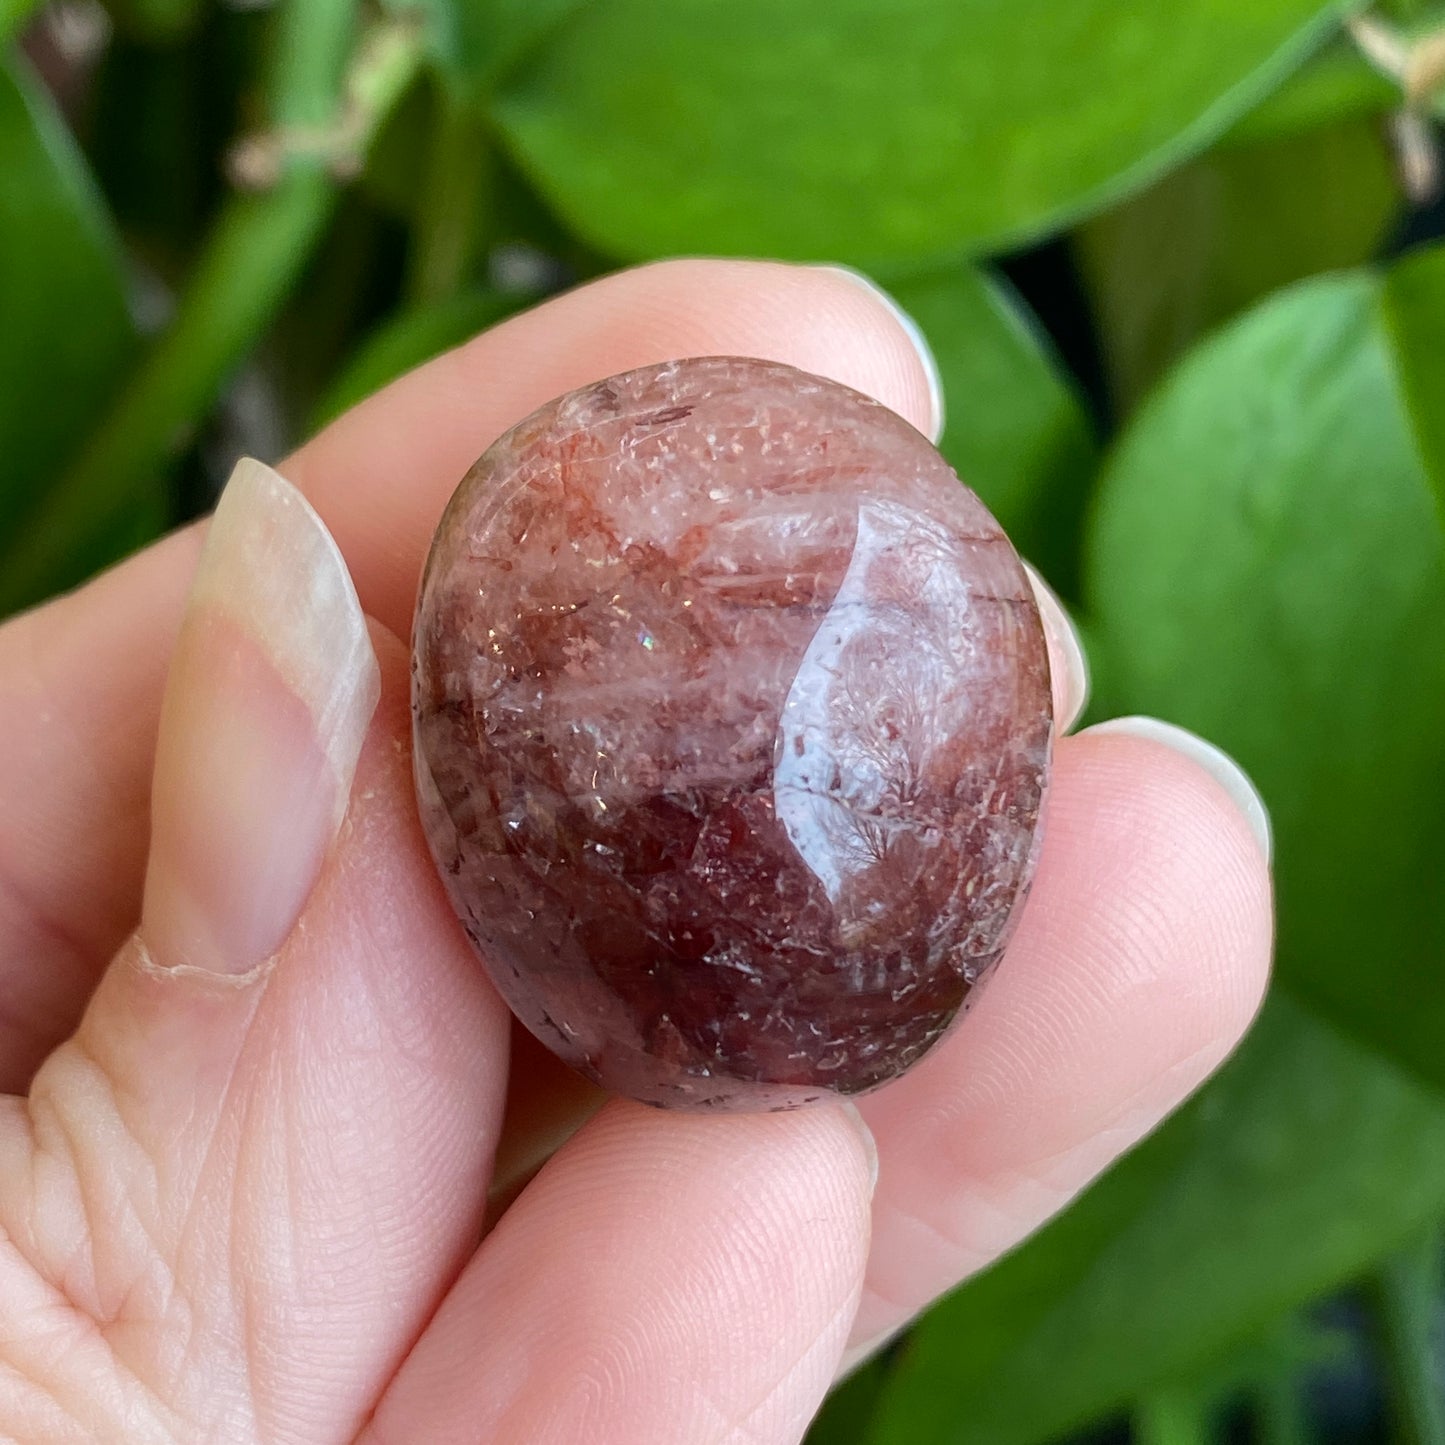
914	332
271	689
870	1144
1215	761
1068	665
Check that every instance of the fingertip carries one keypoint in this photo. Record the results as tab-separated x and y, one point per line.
1211	831
1210	758
937	410
1185	900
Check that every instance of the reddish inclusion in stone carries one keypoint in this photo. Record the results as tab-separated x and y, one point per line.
732	724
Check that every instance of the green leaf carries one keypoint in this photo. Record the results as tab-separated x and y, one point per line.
66	336
475	41
846	1413
1017	432
1415	312
877	133
1303	1162
393	174
1267	568
451	221
412	338
497	34
251	257
1212	238
1335	85
1175	1415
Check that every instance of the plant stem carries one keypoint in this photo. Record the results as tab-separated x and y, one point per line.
246	267
444	238
1407	1302
248	264
1170	1416
311	46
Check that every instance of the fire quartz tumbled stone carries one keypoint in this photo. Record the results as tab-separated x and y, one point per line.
732	725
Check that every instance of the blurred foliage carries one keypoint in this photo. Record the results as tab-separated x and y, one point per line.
1221	232
1209	398
56	240
1286	452
1335	84
1016	425
1414	311
746	125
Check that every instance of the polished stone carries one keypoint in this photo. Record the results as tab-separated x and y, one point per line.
732	727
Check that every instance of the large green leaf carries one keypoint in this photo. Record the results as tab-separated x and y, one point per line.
66	335
844	1418
1017	432
494	35
879	132
475	41
1214	236
1267	568
1415	310
1335	84
1303	1163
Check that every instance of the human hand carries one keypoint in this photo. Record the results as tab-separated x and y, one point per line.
243	1198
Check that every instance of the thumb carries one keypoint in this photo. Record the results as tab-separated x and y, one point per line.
264	1153
271	688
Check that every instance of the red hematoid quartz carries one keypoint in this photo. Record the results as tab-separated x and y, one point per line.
732	729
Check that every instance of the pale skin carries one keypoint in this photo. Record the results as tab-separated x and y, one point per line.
258	1079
